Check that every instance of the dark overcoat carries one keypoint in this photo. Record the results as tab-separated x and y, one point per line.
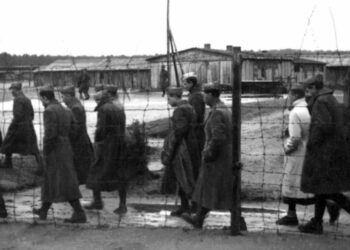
164	79
81	144
181	153
326	168
108	171
83	82
20	137
196	99
214	187
60	179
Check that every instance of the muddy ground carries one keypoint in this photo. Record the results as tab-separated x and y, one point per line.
22	236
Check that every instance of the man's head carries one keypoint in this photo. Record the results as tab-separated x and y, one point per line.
46	95
174	96
68	94
314	85
296	92
111	90
15	88
211	94
189	80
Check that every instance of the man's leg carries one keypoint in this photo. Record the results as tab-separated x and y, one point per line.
196	220
97	203
42	212
78	215
291	218
3	212
314	226
184	206
122	209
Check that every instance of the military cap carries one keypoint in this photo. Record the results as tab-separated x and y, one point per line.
189	75
16	85
209	87
99	87
297	86
317	79
111	89
46	88
70	90
174	91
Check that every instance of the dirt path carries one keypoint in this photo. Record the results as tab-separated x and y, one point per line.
21	236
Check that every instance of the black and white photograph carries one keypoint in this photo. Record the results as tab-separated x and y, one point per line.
174	124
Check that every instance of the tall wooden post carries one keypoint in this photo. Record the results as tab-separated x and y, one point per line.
236	140
168	42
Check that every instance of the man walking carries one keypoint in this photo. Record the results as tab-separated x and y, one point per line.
214	187
295	148
60	180
108	170
196	99
326	171
20	137
84	85
181	152
81	144
164	80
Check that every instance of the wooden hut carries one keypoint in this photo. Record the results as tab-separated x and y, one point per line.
212	65
125	72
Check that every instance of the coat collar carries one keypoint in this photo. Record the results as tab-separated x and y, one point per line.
299	102
322	92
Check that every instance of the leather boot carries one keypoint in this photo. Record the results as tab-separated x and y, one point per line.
42	212
3	212
334	212
97	202
78	215
196	220
312	227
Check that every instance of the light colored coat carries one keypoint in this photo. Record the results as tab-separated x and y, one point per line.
295	150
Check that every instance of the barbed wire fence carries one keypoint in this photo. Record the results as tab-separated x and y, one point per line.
264	119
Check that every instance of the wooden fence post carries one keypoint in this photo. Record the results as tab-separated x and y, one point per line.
236	140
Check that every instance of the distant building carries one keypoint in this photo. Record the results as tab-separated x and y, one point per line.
125	72
260	71
17	73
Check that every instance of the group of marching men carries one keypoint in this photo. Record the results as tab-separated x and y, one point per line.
69	159
197	153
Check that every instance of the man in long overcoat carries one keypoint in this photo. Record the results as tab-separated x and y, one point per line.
20	137
181	151
214	187
295	148
326	171
84	85
196	99
60	180
108	170
81	144
163	80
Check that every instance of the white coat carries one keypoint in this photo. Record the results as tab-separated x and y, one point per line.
295	149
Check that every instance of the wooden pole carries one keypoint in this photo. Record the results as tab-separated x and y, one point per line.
236	140
168	42
174	62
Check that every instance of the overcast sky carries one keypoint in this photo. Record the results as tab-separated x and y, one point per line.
128	27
